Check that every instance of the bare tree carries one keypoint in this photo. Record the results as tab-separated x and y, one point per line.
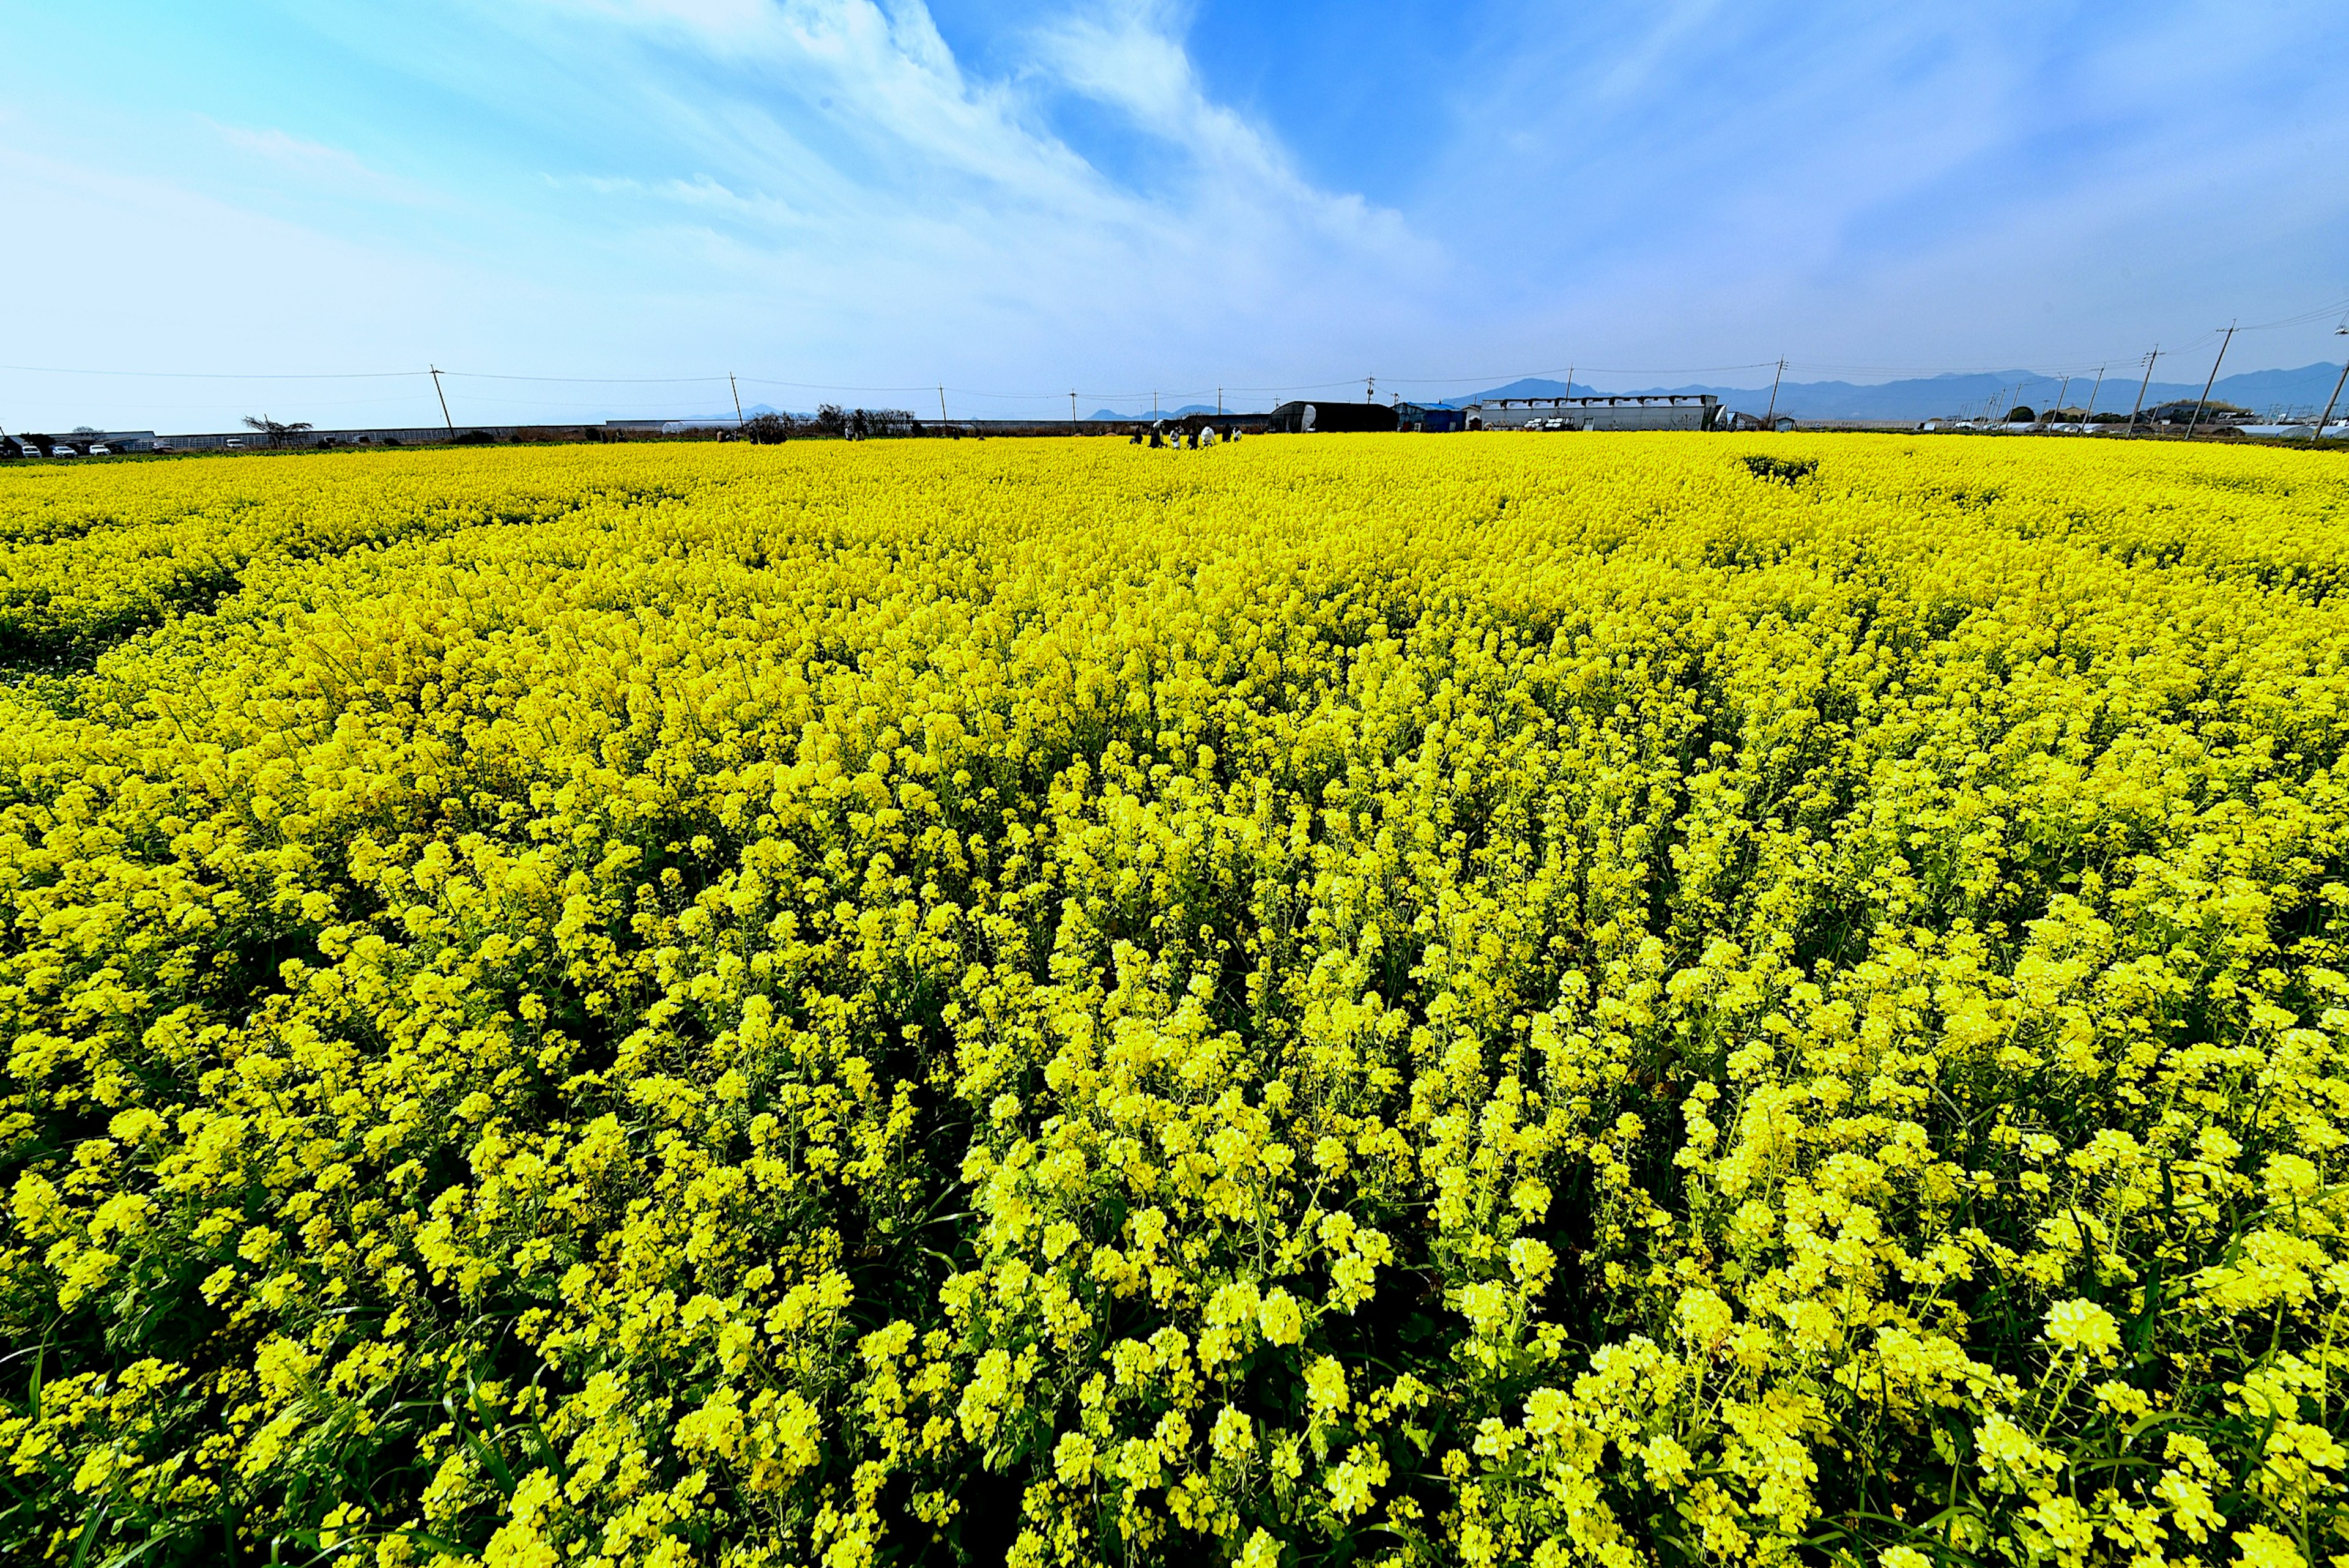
860	424
278	434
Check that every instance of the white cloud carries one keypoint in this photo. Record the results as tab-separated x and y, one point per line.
1903	188
820	191
315	164
815	190
1130	59
845	155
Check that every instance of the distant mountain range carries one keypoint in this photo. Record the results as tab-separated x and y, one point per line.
1928	396
1161	413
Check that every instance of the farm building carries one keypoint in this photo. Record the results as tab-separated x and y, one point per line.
1651	411
1300	416
1432	419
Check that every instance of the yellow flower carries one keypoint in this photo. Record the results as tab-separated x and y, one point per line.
1354	1484
1280	1317
1325	1389
2260	1547
2084	1328
785	977
1073	1459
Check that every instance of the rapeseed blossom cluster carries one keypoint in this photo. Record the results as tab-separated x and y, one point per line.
1491	1001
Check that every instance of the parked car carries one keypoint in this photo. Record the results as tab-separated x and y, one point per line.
99	449
62	450
234	443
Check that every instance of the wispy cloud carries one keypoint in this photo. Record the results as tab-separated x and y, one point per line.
1122	194
841	147
319	165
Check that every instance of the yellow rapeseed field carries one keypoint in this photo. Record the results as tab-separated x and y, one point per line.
1491	1000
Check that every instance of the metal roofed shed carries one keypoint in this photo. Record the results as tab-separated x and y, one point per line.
1317	417
1630	411
1430	419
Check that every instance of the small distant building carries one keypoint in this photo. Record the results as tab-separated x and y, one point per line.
1317	417
1433	419
2185	410
1649	412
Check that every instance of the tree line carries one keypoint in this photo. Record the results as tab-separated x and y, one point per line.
832	420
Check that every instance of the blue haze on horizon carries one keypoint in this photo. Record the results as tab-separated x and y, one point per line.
847	202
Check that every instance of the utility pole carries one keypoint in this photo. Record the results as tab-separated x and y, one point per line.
2326	417
2142	385
1219	403
2212	381
1072	412
2059	394
2091	408
942	405
1770	420
444	403
738	399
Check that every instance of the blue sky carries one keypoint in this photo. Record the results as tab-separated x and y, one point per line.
847	202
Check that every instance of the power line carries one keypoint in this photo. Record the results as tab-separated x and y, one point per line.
2142	385
444	403
2212	382
2325	418
1780	368
836	387
593	380
222	375
2336	308
1496	378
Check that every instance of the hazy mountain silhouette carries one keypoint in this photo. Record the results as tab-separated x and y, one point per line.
1928	396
